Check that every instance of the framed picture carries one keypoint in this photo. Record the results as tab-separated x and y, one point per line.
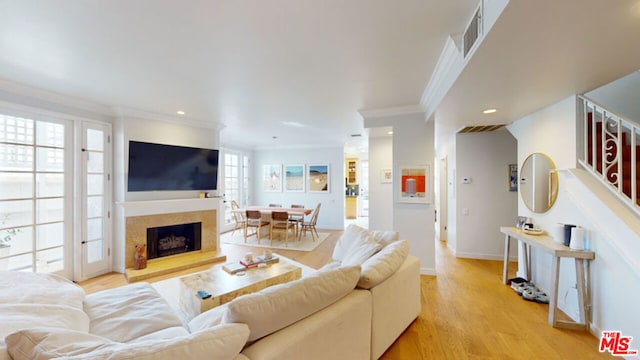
413	186
386	176
294	178
513	177
318	178
521	221
272	178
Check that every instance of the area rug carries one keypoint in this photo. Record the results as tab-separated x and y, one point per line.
305	243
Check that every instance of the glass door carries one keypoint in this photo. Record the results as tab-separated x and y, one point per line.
96	200
36	192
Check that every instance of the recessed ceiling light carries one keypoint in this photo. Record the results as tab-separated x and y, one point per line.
180	112
489	111
389	132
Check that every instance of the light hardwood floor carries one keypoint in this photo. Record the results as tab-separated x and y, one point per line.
467	313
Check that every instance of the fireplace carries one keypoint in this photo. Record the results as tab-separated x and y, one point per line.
173	239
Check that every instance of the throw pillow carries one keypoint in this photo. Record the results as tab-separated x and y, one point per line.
360	251
221	342
49	342
383	264
278	306
351	235
207	319
384	237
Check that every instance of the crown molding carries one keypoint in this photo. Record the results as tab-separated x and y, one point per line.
131	113
447	69
392	111
18	93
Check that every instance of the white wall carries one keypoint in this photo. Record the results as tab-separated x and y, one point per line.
484	204
620	96
615	280
380	194
332	210
413	145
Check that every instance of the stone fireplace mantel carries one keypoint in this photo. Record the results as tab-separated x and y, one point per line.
140	215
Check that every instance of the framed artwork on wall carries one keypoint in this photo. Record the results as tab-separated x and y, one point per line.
318	178
513	177
386	176
414	184
294	178
272	178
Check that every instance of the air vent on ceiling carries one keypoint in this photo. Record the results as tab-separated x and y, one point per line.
480	128
473	31
356	135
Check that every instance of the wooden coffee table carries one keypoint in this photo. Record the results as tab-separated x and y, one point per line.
225	287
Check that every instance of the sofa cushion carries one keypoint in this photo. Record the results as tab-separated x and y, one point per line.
278	306
129	312
32	288
383	264
14	317
220	343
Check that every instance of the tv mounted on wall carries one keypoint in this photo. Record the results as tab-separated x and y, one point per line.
156	167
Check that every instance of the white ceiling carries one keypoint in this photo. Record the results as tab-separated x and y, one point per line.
301	70
540	52
297	70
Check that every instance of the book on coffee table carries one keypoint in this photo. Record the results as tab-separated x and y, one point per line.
233	267
272	259
251	264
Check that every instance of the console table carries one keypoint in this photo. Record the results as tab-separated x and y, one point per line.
548	245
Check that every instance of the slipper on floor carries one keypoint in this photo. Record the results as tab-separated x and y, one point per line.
519	286
532	293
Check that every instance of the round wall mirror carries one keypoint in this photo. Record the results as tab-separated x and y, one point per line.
538	182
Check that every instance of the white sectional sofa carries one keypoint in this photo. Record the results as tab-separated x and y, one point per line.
353	308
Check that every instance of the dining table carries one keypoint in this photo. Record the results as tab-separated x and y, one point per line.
265	211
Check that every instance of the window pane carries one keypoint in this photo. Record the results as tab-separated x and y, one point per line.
49	134
49	210
48	185
94	206
95	162
20	263
94	251
49	159
94	184
94	229
19	240
16	185
50	235
16	213
16	157
50	260
16	130
94	140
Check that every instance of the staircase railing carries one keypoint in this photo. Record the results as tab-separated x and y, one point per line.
609	148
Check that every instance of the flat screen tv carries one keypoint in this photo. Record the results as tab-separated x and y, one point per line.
157	167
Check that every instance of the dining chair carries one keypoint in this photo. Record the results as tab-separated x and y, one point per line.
311	224
296	219
238	217
280	223
254	220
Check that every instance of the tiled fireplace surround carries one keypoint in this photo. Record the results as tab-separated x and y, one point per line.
140	215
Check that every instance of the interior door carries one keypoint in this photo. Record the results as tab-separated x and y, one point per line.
96	200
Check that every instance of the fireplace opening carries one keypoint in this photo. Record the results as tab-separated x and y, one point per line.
173	239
